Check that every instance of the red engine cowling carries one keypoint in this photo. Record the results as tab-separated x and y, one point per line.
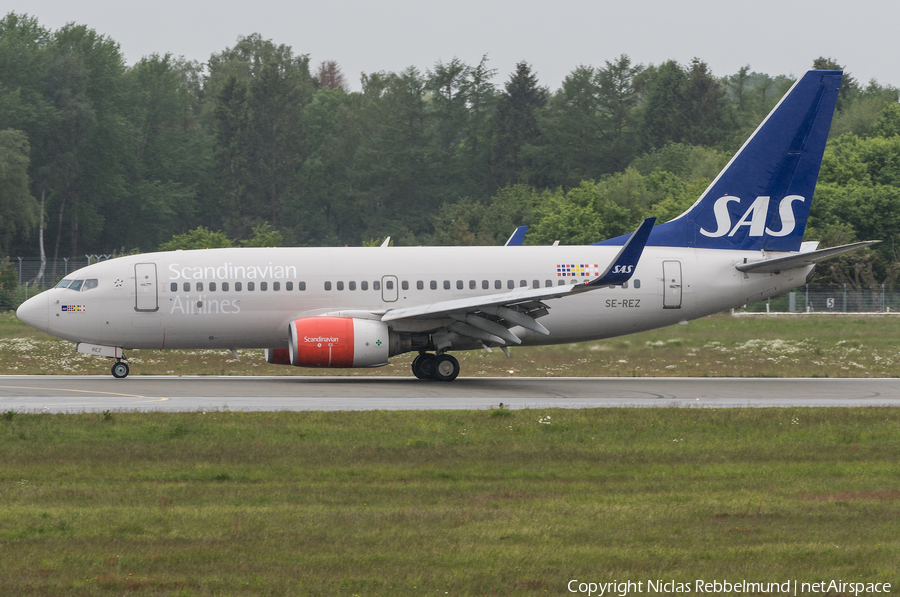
337	342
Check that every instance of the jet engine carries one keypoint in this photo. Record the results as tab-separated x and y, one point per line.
336	342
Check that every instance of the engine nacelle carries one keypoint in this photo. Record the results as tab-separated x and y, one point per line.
337	342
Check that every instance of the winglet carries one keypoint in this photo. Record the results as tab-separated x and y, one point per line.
622	267
517	237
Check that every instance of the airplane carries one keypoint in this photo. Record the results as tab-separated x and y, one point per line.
741	241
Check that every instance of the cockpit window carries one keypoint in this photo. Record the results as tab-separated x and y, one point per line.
76	285
90	283
63	284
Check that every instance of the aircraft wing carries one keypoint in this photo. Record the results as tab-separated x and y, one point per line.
780	264
521	307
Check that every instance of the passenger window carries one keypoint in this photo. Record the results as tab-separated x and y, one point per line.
434	284
173	287
498	284
420	285
404	285
536	284
224	286
237	286
187	286
446	284
302	286
523	283
364	285
548	283
485	284
624	284
199	286
263	285
276	286
212	286
472	284
289	286
90	283
561	282
340	285
251	286
637	283
459	284
510	284
351	285
376	285
327	285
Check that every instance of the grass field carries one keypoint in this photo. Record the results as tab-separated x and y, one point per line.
717	346
440	502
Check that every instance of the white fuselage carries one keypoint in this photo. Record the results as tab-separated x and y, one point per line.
179	299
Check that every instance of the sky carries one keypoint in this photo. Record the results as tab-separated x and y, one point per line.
776	37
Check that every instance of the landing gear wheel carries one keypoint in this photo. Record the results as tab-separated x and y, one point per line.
446	368
120	369
423	366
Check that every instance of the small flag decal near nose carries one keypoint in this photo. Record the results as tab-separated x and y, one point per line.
75	308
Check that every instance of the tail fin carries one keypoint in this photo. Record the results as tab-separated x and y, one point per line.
761	199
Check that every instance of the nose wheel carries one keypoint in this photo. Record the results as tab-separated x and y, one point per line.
120	370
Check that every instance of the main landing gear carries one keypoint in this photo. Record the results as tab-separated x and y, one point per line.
443	367
120	369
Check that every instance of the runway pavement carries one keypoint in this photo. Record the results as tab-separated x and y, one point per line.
147	393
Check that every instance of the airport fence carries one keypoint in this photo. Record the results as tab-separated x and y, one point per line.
36	273
814	298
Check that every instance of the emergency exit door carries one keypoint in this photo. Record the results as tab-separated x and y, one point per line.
671	284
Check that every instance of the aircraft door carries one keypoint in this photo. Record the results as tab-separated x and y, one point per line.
146	298
671	284
389	290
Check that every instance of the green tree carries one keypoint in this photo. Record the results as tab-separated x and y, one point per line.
168	160
664	114
20	210
516	124
704	106
198	238
260	91
264	236
9	285
393	170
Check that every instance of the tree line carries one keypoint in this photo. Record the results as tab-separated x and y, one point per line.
257	143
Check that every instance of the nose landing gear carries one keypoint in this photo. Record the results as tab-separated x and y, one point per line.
120	369
441	368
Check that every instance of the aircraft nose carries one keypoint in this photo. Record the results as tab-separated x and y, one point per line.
36	312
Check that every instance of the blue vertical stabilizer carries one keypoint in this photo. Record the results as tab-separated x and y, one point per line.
761	199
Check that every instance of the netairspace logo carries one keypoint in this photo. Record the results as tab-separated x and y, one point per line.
791	587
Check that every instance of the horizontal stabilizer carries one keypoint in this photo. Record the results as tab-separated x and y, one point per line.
780	264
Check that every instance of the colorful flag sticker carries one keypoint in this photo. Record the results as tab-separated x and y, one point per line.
577	270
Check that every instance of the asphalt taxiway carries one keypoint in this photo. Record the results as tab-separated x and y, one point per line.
148	393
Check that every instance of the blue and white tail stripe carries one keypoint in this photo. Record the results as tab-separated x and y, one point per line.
761	200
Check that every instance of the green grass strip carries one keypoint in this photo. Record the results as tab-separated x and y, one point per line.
444	502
